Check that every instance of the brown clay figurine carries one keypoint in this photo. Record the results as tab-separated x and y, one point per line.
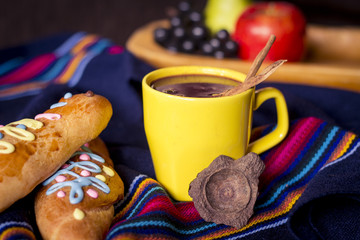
226	191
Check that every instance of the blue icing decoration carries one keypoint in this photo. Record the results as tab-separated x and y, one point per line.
86	149
76	185
87	165
76	192
59	104
68	95
90	153
92	156
22	126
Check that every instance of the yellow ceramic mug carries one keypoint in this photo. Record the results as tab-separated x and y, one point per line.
186	134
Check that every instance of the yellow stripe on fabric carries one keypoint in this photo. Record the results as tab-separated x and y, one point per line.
291	199
284	208
289	202
71	68
342	147
22	88
88	39
135	197
9	233
79	52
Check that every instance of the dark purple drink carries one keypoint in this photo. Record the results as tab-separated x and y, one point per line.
199	86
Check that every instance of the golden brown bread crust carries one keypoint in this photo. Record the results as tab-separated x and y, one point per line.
81	119
55	215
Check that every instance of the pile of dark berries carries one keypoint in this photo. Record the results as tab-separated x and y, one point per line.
188	34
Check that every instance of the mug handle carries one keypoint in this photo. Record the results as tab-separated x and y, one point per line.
278	134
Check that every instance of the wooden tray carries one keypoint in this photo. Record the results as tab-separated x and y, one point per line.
333	64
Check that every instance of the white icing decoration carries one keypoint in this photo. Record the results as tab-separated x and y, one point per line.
59	104
68	95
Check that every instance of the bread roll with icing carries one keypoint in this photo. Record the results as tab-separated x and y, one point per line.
77	201
33	149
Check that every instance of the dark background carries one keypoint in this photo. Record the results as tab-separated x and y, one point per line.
24	20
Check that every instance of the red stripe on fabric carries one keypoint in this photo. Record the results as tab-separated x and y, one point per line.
187	209
286	153
29	70
276	151
164	204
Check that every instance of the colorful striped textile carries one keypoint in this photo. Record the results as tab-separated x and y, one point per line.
312	170
311	146
64	65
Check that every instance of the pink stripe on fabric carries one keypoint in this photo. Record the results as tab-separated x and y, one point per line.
290	147
188	209
272	155
164	204
29	70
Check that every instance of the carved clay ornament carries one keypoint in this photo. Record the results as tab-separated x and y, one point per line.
226	191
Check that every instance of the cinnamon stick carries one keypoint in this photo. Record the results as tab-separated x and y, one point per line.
254	80
251	79
260	58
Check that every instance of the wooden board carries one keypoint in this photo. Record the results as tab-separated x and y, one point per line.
333	64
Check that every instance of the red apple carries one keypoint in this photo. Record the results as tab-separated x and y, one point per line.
260	20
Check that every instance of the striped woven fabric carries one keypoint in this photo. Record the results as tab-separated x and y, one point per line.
311	148
65	65
16	230
311	145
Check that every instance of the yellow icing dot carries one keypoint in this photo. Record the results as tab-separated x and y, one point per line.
101	177
19	133
108	171
78	214
6	147
22	133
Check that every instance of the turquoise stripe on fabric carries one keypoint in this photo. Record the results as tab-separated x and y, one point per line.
154	223
56	69
144	198
295	163
99	46
350	152
268	226
11	65
132	189
95	50
305	169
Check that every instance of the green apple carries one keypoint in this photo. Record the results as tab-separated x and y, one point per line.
222	14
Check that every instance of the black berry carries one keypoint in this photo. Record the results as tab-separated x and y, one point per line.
161	35
187	33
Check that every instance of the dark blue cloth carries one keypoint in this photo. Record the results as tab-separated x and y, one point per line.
330	206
